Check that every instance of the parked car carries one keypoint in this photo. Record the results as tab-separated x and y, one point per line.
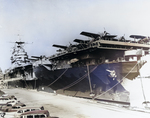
36	114
10	96
12	103
26	109
6	99
10	108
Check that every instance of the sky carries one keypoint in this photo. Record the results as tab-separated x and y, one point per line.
42	23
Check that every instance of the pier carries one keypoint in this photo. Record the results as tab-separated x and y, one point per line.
71	107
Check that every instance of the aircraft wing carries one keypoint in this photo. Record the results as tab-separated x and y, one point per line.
60	46
81	41
137	36
110	36
92	35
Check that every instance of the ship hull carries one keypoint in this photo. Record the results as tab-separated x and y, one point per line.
24	71
22	76
93	81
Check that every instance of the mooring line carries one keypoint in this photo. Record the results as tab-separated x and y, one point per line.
116	83
58	78
89	79
77	81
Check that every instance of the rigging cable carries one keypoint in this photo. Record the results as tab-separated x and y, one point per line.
143	89
77	81
116	83
58	77
26	84
89	78
35	84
